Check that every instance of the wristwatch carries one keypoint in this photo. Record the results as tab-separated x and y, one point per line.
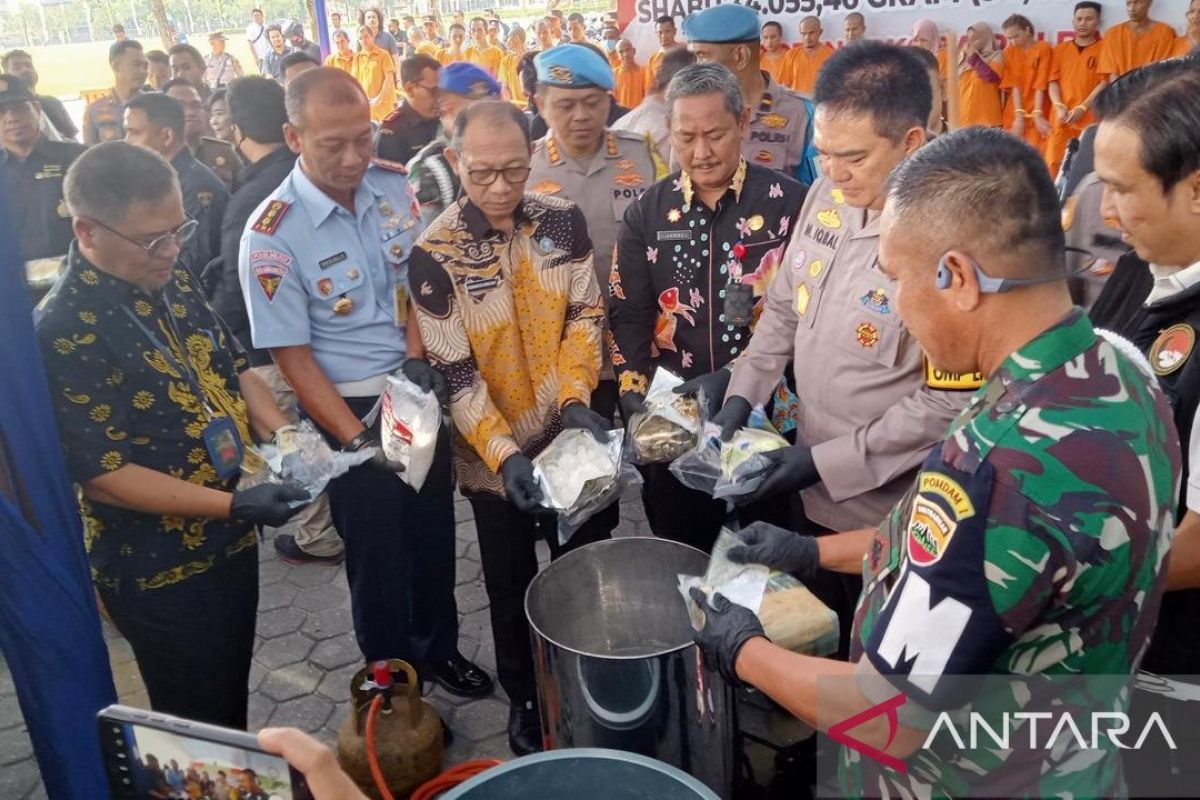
358	442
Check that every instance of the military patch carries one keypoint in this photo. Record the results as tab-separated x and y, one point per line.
205	198
867	335
625	163
272	215
630	181
815	268
837	196
802	298
343	306
269	275
946	381
546	187
950	490
799	260
775	121
325	287
830	218
1172	348
560	74
877	300
764	157
337	258
930	529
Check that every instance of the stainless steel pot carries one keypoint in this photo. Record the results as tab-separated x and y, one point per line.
616	666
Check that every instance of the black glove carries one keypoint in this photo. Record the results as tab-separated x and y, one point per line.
779	549
369	438
732	417
426	378
726	628
268	503
577	415
713	385
791	470
632	404
520	485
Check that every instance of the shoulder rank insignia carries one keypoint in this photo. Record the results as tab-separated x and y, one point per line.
268	221
390	166
945	381
775	121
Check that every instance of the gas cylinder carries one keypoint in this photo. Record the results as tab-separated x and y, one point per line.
408	731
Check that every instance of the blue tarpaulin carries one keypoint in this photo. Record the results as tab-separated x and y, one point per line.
49	624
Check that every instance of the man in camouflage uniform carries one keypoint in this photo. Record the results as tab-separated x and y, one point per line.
1033	540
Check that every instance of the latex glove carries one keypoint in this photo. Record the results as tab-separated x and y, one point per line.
632	404
791	469
427	379
732	417
726	628
268	503
577	415
520	485
784	550
712	385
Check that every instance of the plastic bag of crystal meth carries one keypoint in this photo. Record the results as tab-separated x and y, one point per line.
580	477
792	616
299	455
670	425
743	465
408	427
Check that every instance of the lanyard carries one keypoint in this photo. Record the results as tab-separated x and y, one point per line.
183	366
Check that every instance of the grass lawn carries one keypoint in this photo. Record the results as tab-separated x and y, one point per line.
66	69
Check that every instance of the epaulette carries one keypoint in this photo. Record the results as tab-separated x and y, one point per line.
272	215
390	166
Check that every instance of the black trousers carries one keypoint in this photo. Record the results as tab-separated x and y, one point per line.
193	640
399	557
506	549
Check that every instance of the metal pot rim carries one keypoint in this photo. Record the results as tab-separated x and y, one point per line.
573	554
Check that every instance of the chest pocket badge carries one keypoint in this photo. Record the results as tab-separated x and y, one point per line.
334	282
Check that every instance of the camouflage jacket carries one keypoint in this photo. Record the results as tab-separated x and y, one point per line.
1031	544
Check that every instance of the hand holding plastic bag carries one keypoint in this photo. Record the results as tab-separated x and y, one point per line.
409	418
670	423
299	455
733	468
580	477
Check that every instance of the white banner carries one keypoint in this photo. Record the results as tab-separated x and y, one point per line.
891	20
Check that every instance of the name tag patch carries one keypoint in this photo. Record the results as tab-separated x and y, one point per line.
674	236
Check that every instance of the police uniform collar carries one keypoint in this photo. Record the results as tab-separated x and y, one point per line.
735	183
318	205
554	152
767	103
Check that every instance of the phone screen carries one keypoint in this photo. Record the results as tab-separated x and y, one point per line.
164	765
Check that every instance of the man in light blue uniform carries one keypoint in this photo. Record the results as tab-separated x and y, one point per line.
323	267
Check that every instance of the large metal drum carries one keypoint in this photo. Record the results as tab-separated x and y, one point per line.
616	666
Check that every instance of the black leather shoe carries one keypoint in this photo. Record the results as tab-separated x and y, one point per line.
458	676
524	729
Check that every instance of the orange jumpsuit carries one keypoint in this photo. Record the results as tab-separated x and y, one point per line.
979	101
1183	46
1125	50
372	69
1027	70
629	86
1076	71
774	63
510	79
800	68
345	64
652	67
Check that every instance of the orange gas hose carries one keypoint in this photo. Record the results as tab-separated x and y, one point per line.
452	777
372	758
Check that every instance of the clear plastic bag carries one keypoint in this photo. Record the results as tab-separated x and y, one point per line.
792	616
700	467
408	427
300	455
580	477
670	425
733	468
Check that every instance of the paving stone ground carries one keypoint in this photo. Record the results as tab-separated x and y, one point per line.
306	654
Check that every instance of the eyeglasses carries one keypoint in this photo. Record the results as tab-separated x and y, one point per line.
486	177
154	247
433	90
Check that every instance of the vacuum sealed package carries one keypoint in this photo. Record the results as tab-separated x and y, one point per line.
581	477
299	455
792	616
670	425
733	468
408	427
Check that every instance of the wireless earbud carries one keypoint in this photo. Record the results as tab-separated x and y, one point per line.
942	281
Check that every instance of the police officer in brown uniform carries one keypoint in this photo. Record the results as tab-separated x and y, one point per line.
780	133
870	406
601	170
104	118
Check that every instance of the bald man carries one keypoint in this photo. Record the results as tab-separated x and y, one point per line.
855	27
805	59
1136	42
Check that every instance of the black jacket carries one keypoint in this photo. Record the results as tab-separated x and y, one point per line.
258	180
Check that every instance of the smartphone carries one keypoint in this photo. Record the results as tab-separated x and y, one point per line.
152	756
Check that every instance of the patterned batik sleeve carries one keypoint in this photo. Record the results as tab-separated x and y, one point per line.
89	406
980	570
632	308
579	350
439	319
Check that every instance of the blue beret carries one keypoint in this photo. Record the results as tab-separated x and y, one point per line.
459	77
573	66
727	23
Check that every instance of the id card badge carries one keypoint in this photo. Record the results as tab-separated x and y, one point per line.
401	310
224	444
